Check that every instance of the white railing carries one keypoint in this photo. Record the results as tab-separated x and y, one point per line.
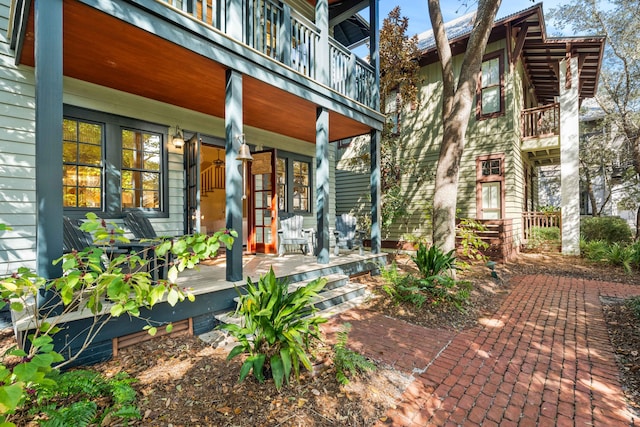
272	28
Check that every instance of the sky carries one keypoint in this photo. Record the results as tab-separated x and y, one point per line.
418	13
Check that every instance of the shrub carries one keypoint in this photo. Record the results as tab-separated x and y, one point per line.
607	228
543	236
471	244
276	328
433	262
620	255
348	362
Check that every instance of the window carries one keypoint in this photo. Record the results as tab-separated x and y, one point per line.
294	183
490	97
112	164
82	164
490	186
140	169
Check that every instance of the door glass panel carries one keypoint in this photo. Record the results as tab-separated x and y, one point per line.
491	202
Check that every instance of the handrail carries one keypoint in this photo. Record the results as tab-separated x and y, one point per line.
274	29
541	121
539	219
212	178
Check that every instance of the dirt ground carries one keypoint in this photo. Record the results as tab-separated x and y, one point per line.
183	381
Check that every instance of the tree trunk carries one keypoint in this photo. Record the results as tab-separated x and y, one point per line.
456	110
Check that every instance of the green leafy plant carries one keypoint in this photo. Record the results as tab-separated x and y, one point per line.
471	245
84	397
348	362
620	255
433	261
276	329
92	279
606	228
541	237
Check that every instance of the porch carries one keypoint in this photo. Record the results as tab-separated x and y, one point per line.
214	295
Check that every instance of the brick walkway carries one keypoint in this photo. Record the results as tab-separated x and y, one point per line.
544	359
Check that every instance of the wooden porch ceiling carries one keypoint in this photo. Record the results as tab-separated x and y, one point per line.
106	51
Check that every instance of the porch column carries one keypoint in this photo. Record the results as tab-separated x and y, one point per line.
322	60
48	75
322	183
376	235
233	176
569	160
374	50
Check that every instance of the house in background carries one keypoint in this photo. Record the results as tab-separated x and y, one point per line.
603	149
99	96
526	117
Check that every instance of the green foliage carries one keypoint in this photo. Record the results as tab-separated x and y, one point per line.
433	262
436	289
471	244
276	328
607	228
543	236
348	362
549	209
84	397
617	254
92	278
633	304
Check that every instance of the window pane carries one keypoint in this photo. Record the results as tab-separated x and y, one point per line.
491	100
281	165
141	162
491	72
90	154
82	164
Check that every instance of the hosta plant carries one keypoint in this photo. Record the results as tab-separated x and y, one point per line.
276	329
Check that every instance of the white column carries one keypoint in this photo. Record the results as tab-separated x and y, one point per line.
569	160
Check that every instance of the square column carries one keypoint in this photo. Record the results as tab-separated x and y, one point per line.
376	209
322	184
233	176
569	156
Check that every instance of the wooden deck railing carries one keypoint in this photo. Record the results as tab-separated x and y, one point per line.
539	219
277	31
541	121
211	178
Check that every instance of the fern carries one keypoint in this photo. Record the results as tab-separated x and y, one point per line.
78	414
348	362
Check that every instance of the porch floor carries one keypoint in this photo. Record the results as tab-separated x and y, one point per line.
210	276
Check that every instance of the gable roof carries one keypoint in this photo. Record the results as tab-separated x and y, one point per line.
541	55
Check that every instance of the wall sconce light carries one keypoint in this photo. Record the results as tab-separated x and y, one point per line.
244	155
178	139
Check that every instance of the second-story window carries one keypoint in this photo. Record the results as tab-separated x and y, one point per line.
490	92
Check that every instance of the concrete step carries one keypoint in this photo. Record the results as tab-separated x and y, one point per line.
333	281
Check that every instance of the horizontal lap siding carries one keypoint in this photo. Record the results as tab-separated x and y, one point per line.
17	158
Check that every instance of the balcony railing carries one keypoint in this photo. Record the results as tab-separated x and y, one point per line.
541	121
272	28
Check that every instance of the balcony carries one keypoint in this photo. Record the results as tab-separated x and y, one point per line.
540	130
280	33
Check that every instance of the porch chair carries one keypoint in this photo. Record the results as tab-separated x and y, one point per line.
291	232
140	225
347	234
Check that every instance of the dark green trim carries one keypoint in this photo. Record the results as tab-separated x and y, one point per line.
376	193
233	174
374	49
322	184
290	157
48	76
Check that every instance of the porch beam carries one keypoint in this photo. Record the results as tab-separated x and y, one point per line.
48	76
344	10
233	176
322	184
224	50
376	193
569	158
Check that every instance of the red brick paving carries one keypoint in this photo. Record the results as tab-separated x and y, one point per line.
543	359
